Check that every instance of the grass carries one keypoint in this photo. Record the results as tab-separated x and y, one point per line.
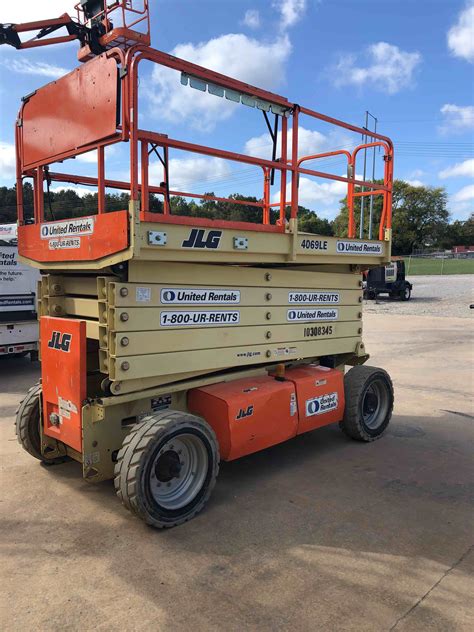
438	266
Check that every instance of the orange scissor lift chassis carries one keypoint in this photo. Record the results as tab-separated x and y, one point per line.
171	342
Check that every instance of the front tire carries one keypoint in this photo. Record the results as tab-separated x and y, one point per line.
27	426
368	393
167	468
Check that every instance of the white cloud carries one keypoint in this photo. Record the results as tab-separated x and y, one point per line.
461	35
235	55
81	191
7	161
291	11
321	197
90	157
457	118
460	169
39	68
466	194
252	19
32	10
389	68
415	183
325	193
309	142
186	172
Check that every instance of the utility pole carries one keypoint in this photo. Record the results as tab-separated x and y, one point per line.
362	201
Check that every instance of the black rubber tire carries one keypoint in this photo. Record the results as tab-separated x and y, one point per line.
137	455
27	425
356	383
405	294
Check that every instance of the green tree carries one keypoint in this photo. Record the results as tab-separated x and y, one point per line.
459	233
309	222
420	217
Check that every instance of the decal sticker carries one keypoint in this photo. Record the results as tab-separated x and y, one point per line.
68	228
66	404
318	296
314	244
59	341
359	248
64	244
66	407
188	319
249	354
91	458
200	238
322	404
244	412
321	330
194	296
143	294
284	351
293	405
312	314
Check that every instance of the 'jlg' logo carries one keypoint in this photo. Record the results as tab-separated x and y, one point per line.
198	239
59	341
248	412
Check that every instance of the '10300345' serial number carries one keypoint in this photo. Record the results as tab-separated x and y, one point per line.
321	330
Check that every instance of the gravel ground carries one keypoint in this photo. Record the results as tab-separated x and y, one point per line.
448	296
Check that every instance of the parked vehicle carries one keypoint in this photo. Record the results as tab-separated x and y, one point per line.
18	318
389	279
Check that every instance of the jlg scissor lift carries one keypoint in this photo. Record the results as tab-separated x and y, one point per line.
169	343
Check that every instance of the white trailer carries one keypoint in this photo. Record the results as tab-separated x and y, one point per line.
18	284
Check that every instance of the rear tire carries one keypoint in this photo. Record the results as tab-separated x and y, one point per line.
368	393
405	294
167	468
27	426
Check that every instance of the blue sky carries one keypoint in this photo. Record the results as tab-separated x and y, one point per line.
409	62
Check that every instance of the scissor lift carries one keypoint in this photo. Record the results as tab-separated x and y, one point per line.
168	342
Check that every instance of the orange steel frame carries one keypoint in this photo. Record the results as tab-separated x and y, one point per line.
140	141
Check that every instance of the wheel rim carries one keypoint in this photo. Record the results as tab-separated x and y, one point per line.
178	471
375	403
407	292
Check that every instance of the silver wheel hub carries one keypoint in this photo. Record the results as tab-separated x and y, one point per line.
178	471
375	405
